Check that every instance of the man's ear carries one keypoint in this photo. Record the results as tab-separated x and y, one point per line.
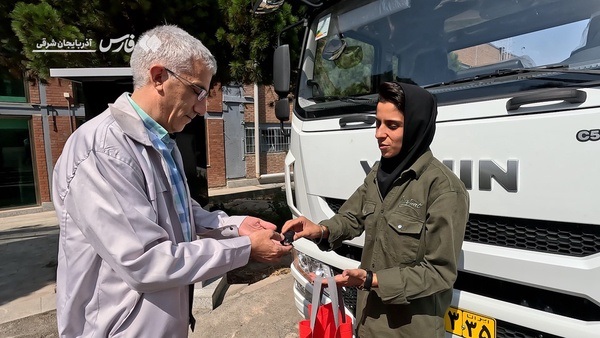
158	75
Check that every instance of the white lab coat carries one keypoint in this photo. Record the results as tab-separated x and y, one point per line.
123	266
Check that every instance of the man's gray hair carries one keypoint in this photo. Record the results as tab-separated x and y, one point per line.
171	47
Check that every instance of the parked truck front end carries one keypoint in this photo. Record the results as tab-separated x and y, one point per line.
518	89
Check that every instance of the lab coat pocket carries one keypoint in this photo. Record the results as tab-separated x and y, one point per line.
157	195
402	238
131	306
156	187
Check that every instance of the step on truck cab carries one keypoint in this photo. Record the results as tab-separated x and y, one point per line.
518	88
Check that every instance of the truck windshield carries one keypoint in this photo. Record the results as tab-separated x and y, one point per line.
461	50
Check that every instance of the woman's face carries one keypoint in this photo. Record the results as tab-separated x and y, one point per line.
389	129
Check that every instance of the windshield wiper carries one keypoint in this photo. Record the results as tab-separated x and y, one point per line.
514	71
348	99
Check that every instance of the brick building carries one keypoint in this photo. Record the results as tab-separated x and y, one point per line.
37	118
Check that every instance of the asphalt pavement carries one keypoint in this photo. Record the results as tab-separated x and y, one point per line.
263	309
28	250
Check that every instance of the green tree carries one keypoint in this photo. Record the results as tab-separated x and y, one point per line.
11	56
251	39
453	62
237	38
34	23
96	20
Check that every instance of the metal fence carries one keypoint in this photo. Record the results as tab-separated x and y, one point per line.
272	139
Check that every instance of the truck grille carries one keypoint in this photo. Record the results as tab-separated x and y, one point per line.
577	307
350	299
503	329
562	238
508	330
570	239
349	294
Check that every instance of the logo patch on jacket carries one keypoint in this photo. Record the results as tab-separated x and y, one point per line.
410	203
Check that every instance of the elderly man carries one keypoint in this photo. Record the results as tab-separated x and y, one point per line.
132	241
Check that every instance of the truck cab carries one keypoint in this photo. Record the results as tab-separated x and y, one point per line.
518	89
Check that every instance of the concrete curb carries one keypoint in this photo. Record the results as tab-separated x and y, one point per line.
40	301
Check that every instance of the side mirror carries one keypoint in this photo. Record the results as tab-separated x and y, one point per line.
282	109
266	6
281	70
349	58
344	56
333	49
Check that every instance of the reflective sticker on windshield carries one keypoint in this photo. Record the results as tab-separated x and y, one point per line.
323	27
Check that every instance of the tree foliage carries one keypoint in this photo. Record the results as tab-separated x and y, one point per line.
238	39
34	23
251	39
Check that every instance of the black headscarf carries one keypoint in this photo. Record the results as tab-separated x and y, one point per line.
420	112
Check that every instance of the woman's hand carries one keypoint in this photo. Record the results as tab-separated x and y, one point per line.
349	278
303	227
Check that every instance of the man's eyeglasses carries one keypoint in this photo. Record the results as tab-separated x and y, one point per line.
201	92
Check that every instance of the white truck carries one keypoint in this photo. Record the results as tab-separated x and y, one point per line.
518	88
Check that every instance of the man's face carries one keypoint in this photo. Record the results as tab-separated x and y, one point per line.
389	129
180	103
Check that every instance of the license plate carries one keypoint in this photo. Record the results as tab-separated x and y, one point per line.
467	324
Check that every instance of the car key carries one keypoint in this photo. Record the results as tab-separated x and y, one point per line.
289	237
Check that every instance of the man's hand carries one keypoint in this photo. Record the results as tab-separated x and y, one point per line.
350	277
266	246
303	227
252	224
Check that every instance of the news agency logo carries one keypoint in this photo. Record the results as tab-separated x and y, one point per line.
124	43
149	43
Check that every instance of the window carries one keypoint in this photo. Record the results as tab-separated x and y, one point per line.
12	88
349	74
17	186
272	140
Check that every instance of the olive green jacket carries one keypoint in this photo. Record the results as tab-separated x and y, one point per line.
413	239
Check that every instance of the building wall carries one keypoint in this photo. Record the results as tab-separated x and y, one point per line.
60	130
55	92
215	99
39	156
270	163
215	143
266	104
479	55
34	91
61	126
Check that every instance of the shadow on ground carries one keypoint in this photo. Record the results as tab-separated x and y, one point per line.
28	257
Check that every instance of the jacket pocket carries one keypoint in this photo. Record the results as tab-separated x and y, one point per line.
368	208
369	219
402	237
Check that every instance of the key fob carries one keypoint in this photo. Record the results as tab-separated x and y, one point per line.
289	237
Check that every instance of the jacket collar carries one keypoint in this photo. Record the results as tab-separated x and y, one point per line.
129	121
418	168
422	163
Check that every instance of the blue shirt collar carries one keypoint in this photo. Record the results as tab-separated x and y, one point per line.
152	125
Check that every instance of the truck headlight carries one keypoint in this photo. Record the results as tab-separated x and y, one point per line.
306	264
